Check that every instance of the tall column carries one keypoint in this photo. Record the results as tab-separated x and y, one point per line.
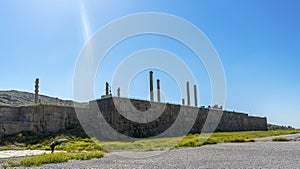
195	95
106	88
36	98
158	90
188	93
151	86
118	92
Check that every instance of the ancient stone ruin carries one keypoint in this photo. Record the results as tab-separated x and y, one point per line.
45	118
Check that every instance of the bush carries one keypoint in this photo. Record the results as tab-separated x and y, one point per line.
210	141
280	139
249	140
237	140
195	141
190	141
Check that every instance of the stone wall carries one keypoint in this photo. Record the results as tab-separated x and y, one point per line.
44	118
36	118
9	113
229	121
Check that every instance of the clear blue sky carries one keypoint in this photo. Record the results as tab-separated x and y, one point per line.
257	41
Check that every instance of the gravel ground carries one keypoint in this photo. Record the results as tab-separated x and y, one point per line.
226	155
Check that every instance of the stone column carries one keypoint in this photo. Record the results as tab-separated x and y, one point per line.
158	91
151	86
195	95
106	88
118	92
36	98
188	93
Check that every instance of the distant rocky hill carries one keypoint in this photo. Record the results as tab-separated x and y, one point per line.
14	97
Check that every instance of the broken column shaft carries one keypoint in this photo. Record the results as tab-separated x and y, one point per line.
188	93
158	90
195	95
151	86
106	89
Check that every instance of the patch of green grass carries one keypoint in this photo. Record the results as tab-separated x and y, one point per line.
249	140
141	144
238	140
41	141
247	135
220	137
55	158
85	144
210	141
80	147
76	141
3	148
281	138
191	140
71	145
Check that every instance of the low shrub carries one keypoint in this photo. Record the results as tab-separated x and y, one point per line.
249	140
280	139
237	140
4	148
190	141
195	141
210	141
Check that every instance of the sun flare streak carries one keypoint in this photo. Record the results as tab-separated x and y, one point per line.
86	33
85	23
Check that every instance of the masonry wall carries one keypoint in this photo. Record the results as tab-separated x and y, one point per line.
114	117
40	118
9	113
45	118
229	121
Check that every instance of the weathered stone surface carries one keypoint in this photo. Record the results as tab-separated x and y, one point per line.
40	118
219	120
158	118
